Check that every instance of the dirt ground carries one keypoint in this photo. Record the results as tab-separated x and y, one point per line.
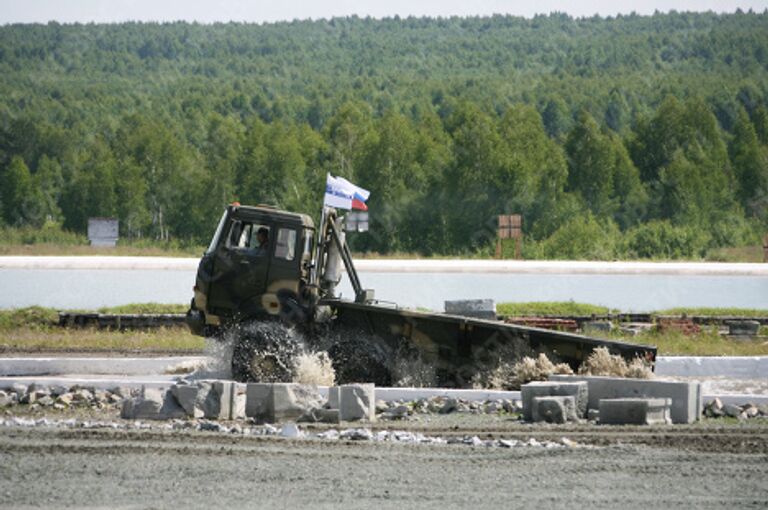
709	465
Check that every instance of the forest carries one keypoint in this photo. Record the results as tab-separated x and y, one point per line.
620	137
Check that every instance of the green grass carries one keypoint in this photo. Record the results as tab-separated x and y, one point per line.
36	329
146	308
706	343
551	308
736	312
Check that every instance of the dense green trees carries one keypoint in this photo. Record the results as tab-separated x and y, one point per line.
628	136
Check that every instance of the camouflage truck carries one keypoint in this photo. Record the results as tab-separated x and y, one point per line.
267	283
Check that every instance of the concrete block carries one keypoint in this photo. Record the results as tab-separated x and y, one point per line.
258	401
290	401
597	327
475	308
152	404
280	401
219	400
635	411
576	389
186	396
554	409
686	396
743	327
357	402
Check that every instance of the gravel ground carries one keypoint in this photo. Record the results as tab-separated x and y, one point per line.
710	465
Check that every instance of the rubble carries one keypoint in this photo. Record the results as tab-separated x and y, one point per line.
716	409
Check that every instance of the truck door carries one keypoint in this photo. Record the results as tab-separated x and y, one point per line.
241	266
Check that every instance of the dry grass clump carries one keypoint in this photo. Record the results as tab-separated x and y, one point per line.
539	369
511	376
602	362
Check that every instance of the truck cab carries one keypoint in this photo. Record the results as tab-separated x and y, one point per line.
257	266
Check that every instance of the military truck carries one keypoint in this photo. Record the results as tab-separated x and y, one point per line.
267	283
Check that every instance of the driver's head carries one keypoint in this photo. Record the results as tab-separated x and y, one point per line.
262	235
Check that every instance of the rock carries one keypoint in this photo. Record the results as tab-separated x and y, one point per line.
19	389
396	413
751	411
554	409
45	401
210	426
186	396
732	410
57	390
593	414
82	396
714	408
381	406
716	404
491	408
59	407
320	415
449	406
763	409
5	399
356	434
509	406
152	404
291	430
64	399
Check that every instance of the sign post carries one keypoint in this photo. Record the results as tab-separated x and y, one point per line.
510	227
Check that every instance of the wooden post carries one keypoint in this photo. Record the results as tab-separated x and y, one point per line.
510	227
765	248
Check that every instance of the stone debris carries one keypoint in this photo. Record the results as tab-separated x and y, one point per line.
292	431
716	409
57	397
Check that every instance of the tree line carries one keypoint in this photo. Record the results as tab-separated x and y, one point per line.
634	136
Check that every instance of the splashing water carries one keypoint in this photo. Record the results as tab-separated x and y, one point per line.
315	368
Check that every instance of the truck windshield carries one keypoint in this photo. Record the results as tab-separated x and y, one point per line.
217	235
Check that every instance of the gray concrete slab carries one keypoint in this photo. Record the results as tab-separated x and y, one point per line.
635	411
576	389
686	396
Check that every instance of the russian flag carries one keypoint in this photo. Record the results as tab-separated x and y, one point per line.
342	194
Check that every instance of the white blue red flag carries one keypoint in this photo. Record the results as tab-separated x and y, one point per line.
342	194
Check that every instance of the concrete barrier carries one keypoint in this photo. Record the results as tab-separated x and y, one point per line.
476	308
735	367
686	396
553	409
354	401
635	411
19	366
576	389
